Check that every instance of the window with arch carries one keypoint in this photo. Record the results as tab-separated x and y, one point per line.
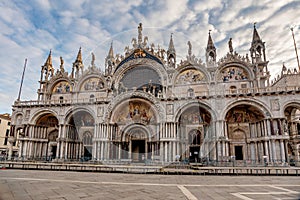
87	141
190	92
92	98
87	138
233	89
195	137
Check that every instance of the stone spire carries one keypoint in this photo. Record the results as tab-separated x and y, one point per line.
47	68
171	48
77	68
47	72
210	43
256	37
111	51
109	61
211	53
259	62
171	53
79	57
257	48
49	60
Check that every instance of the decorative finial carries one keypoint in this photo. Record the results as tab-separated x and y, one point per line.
190	48
93	59
254	24
209	32
61	61
49	59
62	65
140	35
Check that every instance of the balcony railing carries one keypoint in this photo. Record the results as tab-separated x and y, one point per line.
230	92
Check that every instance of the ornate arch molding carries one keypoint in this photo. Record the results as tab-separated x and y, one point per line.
157	67
39	113
239	64
87	76
180	110
291	103
14	117
124	131
259	105
158	108
54	82
190	67
73	110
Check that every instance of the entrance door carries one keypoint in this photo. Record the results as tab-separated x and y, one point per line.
194	153
53	152
87	153
238	152
138	150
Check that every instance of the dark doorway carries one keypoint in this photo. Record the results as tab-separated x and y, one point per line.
238	152
87	153
138	150
194	153
53	152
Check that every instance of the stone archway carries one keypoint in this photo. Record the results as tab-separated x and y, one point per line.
195	139
52	144
194	129
79	134
237	147
136	137
245	127
136	142
43	134
291	127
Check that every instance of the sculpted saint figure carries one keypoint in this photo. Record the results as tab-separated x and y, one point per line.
230	45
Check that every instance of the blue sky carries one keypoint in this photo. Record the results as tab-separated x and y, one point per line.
29	29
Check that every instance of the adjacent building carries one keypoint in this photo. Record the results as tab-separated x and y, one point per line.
148	106
5	120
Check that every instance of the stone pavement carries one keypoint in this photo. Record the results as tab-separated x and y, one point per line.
30	184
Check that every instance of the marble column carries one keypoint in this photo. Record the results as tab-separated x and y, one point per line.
282	150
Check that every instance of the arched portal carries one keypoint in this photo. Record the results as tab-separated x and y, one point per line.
87	140
245	124
291	127
137	140
45	135
52	138
194	131
195	139
79	135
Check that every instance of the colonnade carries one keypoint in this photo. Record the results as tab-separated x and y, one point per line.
267	139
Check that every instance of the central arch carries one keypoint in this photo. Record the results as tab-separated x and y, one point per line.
136	140
195	129
79	132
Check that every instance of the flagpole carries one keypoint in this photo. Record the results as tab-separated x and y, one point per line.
295	48
22	80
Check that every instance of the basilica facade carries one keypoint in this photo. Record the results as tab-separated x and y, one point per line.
148	106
